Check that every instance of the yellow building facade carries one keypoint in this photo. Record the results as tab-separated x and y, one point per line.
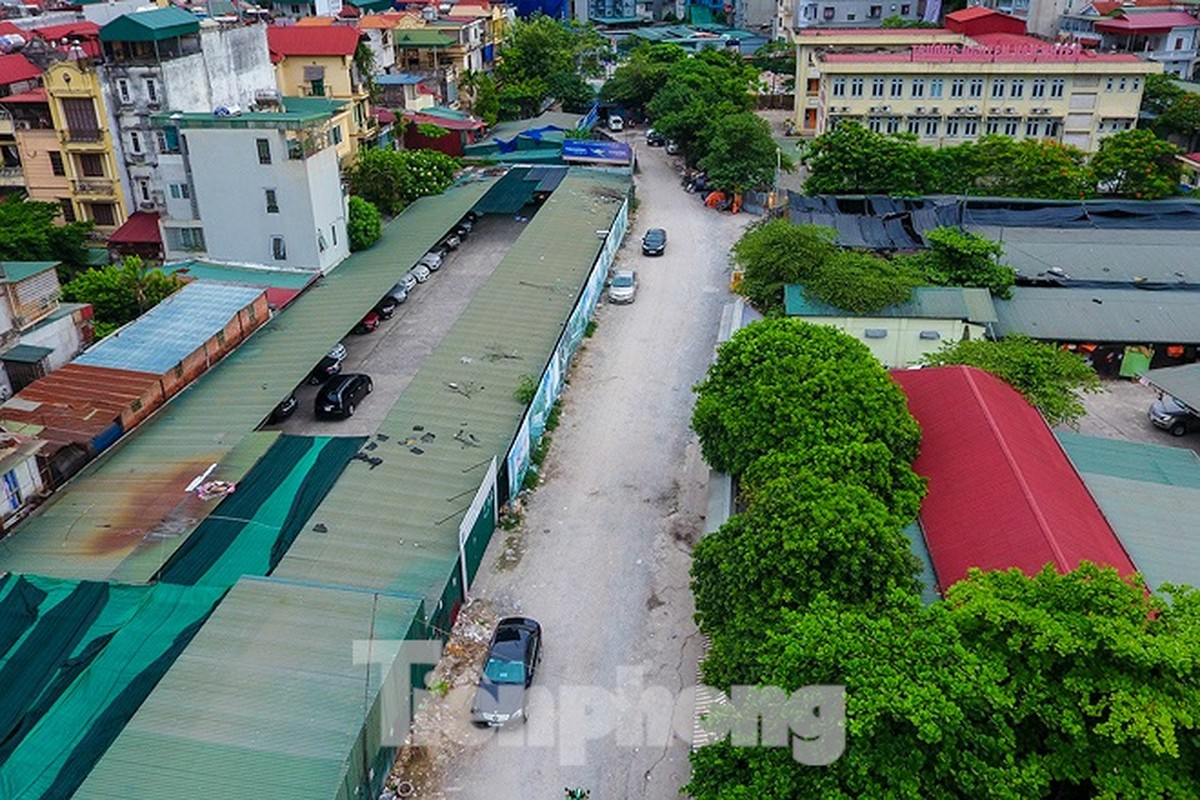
949	88
86	160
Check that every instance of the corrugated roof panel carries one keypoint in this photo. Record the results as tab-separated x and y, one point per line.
927	302
273	700
1148	463
410	505
14	271
1182	383
125	502
1100	315
1002	493
174	329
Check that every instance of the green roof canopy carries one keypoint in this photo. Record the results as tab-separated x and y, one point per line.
151	26
418	37
14	271
26	354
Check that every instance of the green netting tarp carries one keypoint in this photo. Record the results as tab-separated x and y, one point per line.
252	529
77	658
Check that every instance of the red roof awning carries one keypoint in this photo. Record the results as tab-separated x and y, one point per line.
1147	22
15	68
37	95
140	228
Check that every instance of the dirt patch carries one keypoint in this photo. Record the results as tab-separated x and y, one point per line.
512	520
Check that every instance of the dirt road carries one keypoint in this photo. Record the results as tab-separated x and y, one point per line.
601	558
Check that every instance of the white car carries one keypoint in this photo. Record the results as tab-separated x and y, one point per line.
623	286
420	272
616	123
408	282
431	260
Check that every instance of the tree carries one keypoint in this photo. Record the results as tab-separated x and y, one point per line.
1051	686
391	179
958	258
1136	163
121	293
645	71
1050	379
741	154
1181	120
862	283
28	232
541	56
1160	92
1000	166
782	382
774	253
851	159
363	226
698	92
487	100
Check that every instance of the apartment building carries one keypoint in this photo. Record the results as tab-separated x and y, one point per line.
950	86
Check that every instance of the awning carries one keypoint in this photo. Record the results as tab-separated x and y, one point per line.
140	228
26	354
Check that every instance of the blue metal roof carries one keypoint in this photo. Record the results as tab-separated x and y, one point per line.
166	334
398	79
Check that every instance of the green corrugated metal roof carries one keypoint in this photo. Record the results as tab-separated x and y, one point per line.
1100	315
298	112
927	302
274	703
129	504
151	26
421	37
1182	383
14	271
227	273
463	392
1150	494
26	353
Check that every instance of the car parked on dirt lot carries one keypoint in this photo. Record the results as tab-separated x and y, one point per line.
1173	416
408	282
654	243
340	395
512	660
331	364
287	407
367	324
623	286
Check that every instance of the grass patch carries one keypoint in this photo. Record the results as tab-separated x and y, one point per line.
590	329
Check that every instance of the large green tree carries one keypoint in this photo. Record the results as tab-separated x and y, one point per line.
1052	380
391	179
955	257
543	59
1000	166
698	92
851	159
121	293
1181	121
741	155
774	253
783	383
1137	164
646	70
1014	688
862	283
363	225
29	231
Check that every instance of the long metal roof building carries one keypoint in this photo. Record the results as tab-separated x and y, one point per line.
1100	315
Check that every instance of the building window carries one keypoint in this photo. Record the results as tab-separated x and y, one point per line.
1010	127
1039	88
68	209
875	124
160	139
103	214
998	88
970	127
851	17
180	191
135	142
335	134
1031	128
318	87
897	87
839	87
1110	83
1121	86
170	138
264	150
876	12
976	90
144	190
123	90
188	238
877	87
827	13
278	248
893	124
272	202
856	87
333	230
1051	129
1016	89
935	88
1136	85
918	87
905	10
1058	85
914	125
152	91
931	127
956	87
136	405
56	164
952	127
91	165
992	126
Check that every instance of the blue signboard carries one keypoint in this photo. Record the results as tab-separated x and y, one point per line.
596	151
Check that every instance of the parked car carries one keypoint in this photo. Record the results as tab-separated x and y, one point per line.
623	286
330	365
616	123
286	407
654	243
367	324
387	305
512	660
408	283
655	139
672	147
467	223
420	272
1173	416
340	395
431	260
451	241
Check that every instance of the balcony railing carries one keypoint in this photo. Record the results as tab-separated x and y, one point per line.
83	138
11	176
95	187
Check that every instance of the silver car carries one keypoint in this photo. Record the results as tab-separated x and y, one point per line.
431	260
420	272
623	286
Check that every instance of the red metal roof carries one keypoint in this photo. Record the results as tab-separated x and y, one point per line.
966	14
37	95
303	40
16	67
916	34
140	228
8	29
1106	7
87	34
448	123
1147	22
1002	493
78	401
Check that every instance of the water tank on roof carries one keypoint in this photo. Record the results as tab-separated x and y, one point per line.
429	13
10	42
227	111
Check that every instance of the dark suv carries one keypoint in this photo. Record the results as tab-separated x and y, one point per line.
1171	415
341	394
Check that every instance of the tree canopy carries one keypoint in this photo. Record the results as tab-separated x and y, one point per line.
785	383
862	283
121	293
741	155
544	59
775	252
1137	164
1052	380
699	91
29	232
646	70
956	257
391	179
363	225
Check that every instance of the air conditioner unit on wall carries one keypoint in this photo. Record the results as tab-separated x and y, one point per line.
935	110
920	110
972	109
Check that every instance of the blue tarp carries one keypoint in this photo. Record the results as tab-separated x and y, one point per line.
533	133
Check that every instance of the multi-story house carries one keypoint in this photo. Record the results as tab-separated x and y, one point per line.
17	76
168	58
378	28
948	86
41	165
806	14
258	187
1169	36
38	333
318	61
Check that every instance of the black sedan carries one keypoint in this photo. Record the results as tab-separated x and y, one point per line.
341	394
512	659
654	243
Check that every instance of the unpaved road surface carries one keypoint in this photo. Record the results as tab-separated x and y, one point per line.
602	554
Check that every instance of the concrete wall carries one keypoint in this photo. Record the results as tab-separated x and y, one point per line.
40	180
902	346
61	336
